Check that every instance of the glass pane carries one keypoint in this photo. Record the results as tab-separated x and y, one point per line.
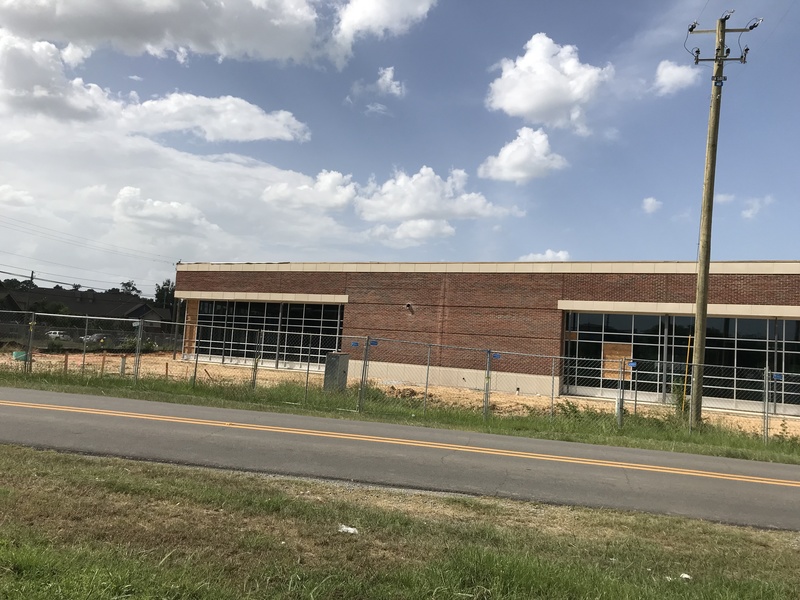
752	360
624	338
619	323
684	325
774	324
645	352
719	357
755	329
792	362
751	344
793	330
647	324
314	311
589	350
590	322
717	327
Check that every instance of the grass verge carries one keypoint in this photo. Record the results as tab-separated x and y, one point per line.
656	431
78	527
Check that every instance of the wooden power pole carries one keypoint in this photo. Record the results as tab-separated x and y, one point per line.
721	56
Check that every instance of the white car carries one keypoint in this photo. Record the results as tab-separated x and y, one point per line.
58	335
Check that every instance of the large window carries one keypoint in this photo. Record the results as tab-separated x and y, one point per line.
737	352
283	332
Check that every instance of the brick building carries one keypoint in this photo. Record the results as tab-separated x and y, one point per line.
591	313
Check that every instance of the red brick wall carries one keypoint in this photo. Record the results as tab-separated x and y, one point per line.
503	312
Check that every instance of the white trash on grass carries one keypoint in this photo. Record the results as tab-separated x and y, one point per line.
347	529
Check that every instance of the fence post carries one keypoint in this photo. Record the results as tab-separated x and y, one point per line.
486	384
364	373
308	375
621	393
29	351
85	335
196	360
427	380
553	388
766	406
137	359
256	356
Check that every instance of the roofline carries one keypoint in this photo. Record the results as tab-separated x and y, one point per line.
644	267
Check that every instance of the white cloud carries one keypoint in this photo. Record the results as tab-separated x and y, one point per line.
330	190
135	77
387	84
378	18
80	158
74	55
408	210
651	205
523	159
424	195
13	198
215	119
33	80
672	77
376	108
548	85
546	256
755	206
131	210
412	233
724	198
259	29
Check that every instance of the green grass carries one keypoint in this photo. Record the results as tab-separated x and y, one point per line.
664	431
79	527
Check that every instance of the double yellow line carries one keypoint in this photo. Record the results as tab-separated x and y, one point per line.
407	442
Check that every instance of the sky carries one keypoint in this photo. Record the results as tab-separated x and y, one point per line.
138	133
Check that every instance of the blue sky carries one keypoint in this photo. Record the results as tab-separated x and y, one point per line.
136	134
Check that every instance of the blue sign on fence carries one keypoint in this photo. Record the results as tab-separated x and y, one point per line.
632	364
777	376
354	344
496	355
373	342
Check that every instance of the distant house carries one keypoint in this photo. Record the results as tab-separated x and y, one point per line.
86	303
7	302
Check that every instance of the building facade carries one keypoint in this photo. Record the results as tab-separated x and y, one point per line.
590	313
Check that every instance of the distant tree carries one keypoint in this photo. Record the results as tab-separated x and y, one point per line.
76	286
27	284
165	294
57	287
48	306
129	287
11	284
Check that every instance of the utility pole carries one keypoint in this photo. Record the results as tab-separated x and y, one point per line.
721	56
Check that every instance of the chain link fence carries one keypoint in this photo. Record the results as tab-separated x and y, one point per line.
395	377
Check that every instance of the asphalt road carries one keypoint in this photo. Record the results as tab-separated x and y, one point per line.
717	489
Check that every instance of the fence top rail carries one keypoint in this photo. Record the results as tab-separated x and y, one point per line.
28	313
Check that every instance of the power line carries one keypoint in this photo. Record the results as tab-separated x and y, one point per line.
59	236
63	276
50	262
